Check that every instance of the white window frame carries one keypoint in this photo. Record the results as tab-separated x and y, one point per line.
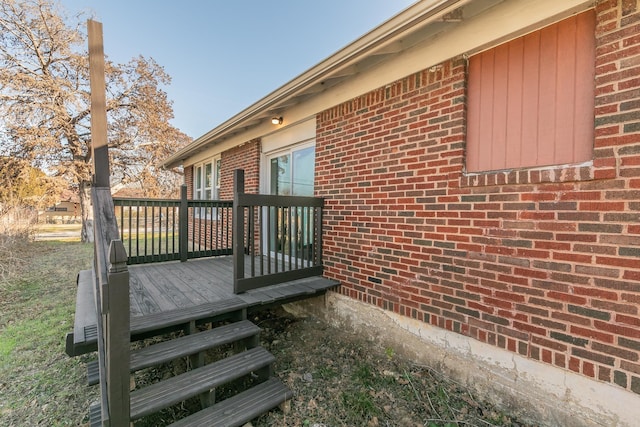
200	187
289	149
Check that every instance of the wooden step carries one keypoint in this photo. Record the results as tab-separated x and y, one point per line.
156	322
84	338
191	344
161	395
93	372
95	415
241	408
167	351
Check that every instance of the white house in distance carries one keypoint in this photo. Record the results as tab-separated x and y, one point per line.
480	165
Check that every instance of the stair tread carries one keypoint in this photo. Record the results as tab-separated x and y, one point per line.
163	394
241	408
93	372
84	338
191	344
151	322
166	351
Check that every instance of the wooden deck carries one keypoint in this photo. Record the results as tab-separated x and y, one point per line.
192	290
168	286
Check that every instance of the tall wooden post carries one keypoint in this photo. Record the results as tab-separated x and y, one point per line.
238	229
98	105
110	263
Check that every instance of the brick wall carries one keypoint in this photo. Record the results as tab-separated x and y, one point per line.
216	233
247	157
541	262
188	180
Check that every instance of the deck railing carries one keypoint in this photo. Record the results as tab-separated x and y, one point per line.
276	238
279	238
157	230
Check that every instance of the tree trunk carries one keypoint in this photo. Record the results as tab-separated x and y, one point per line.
86	208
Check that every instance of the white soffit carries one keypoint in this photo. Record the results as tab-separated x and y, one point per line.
423	35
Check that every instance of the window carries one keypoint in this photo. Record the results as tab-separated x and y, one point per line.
531	100
197	180
206	186
206	180
216	180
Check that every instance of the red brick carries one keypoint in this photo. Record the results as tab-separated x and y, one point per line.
589	333
532	251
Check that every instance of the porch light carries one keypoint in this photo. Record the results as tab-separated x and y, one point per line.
276	120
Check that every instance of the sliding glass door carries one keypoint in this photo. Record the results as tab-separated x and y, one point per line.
291	173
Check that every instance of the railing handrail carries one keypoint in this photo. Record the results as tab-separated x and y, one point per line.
132	201
270	200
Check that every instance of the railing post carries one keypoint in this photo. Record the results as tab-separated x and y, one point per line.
183	226
117	335
238	229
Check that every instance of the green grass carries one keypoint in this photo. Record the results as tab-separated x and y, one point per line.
39	383
161	244
55	228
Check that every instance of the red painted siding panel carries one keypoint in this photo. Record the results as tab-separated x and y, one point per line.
547	101
499	131
529	137
566	92
514	101
531	100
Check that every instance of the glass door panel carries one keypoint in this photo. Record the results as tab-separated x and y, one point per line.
291	174
303	172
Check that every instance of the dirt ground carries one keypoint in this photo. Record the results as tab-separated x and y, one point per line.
340	379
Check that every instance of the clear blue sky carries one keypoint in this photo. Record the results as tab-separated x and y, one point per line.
223	55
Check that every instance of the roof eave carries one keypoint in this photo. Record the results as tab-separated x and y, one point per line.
419	13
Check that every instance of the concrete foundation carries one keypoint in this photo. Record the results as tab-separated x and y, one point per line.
533	391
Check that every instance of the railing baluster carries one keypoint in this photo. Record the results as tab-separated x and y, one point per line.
137	231
173	230
289	234
261	235
296	236
211	230
153	231
268	239
216	245
193	228
250	245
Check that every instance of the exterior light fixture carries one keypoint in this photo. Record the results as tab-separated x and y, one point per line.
276	120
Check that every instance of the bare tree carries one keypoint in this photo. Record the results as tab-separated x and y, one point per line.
44	103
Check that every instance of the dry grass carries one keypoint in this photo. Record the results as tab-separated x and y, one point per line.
39	383
338	378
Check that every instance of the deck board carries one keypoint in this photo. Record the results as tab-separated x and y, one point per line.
161	290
